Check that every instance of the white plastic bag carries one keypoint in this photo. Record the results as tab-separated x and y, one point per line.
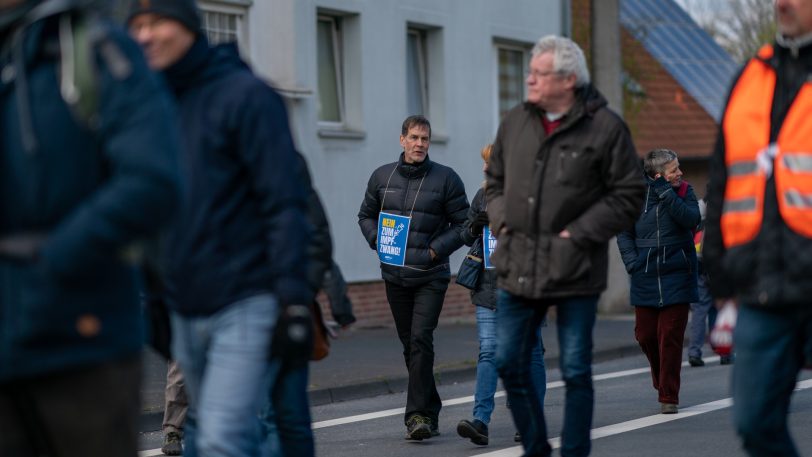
721	337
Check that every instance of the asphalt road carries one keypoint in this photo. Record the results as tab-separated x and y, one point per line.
626	422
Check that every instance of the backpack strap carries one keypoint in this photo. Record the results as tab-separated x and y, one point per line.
78	78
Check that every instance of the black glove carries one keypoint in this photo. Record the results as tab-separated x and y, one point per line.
480	221
293	337
661	186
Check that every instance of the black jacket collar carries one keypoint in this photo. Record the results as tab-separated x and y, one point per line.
413	170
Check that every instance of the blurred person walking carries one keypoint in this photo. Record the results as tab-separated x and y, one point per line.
236	256
759	228
286	414
412	214
89	151
660	258
563	179
484	298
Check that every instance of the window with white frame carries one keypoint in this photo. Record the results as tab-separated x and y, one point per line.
330	76
225	21
512	63
417	90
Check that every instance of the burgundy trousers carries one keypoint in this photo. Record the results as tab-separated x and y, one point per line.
661	333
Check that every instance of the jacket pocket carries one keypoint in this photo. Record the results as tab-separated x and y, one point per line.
568	262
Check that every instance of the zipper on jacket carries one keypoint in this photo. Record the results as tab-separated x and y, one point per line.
648	255
684	256
645	206
659	281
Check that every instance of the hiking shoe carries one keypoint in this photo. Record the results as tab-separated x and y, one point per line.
474	430
418	428
172	444
696	361
517	437
668	408
725	359
435	429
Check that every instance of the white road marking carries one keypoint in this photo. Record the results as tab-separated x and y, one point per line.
150	453
451	402
636	424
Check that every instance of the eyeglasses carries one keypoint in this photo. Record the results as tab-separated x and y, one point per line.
540	74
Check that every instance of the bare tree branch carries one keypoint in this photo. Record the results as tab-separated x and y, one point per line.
741	27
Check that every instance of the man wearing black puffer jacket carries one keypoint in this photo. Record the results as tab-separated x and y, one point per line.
433	197
236	261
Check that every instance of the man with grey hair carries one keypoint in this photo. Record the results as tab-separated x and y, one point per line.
563	179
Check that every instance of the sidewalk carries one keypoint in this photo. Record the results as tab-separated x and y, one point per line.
369	362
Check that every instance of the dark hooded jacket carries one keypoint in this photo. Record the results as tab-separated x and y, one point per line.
89	193
584	177
659	251
242	227
485	292
434	196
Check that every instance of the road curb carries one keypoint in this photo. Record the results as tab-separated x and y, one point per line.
152	420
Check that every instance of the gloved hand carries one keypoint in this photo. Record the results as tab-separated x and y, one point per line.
661	186
293	337
480	221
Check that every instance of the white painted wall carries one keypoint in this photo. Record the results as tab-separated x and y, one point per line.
282	36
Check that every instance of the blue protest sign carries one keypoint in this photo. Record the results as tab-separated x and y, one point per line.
393	233
488	245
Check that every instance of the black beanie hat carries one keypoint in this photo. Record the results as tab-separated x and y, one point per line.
183	11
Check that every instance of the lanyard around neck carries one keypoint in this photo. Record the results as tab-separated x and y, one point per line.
383	200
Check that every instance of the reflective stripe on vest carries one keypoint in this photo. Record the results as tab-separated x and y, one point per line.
749	156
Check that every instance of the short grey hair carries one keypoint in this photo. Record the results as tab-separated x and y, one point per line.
568	58
657	159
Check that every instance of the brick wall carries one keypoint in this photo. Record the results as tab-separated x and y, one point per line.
582	27
372	310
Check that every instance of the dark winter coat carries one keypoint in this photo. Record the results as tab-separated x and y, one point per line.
440	208
242	228
775	269
322	272
584	177
659	251
90	193
485	292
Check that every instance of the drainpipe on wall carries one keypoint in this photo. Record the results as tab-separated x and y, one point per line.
607	66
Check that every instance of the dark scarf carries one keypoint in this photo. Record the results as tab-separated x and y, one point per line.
183	73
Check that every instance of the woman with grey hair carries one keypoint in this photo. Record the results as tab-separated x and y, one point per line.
660	257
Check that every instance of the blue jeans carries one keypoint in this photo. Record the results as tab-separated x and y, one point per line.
225	359
486	375
699	316
286	414
516	332
771	346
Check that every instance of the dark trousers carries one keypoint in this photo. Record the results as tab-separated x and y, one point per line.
416	311
87	412
661	333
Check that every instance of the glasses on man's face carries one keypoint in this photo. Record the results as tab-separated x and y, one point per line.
536	74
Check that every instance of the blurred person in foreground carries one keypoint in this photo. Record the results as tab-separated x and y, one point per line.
286	413
484	298
236	256
563	179
758	234
660	258
89	168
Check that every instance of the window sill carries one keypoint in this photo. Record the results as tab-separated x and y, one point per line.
344	134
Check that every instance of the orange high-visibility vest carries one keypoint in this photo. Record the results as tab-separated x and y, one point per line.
749	155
